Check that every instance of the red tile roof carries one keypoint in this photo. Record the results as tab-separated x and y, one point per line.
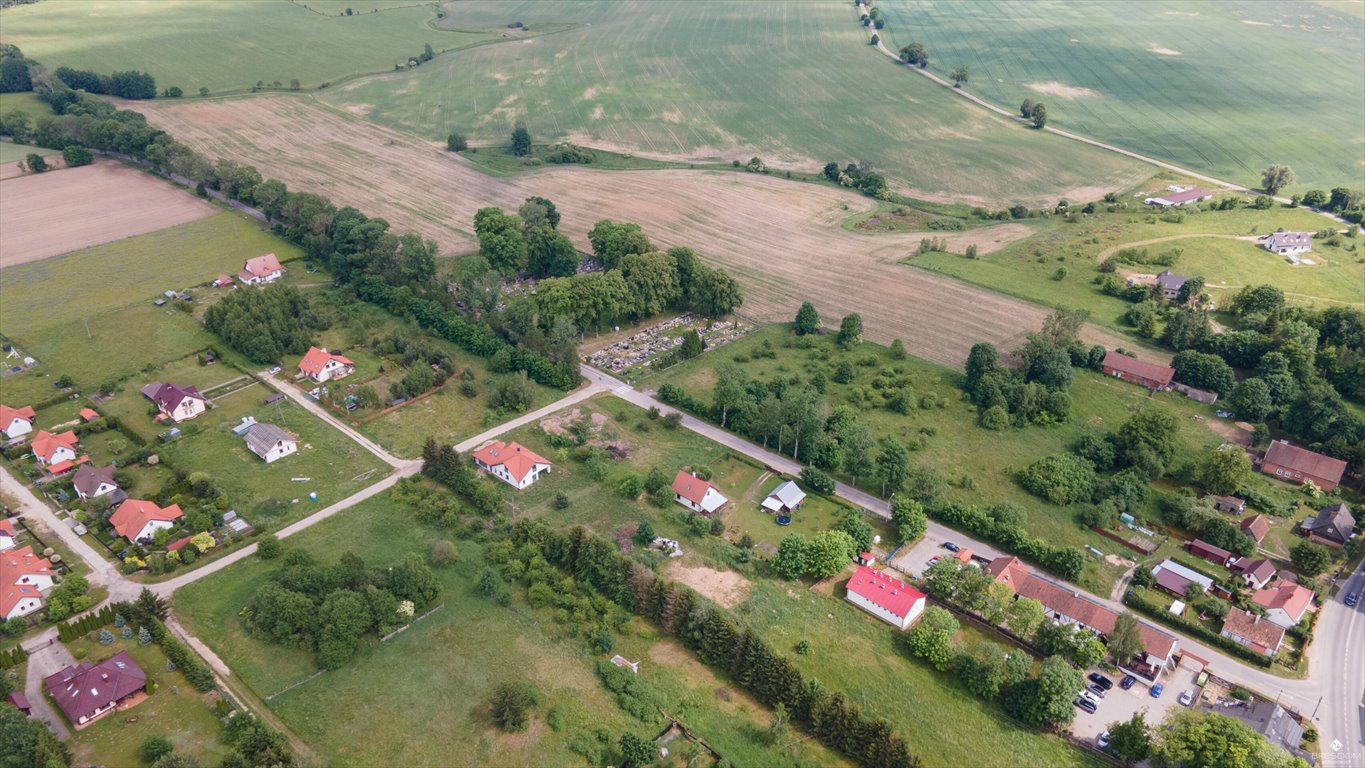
262	265
15	564
1303	460
8	415
89	414
83	689
1091	614
313	362
1258	630
1257	526
884	591
1131	366
519	460
134	514
7	528
690	487
963	555
1293	598
178	544
44	443
1008	571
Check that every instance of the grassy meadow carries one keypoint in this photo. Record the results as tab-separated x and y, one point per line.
1222	88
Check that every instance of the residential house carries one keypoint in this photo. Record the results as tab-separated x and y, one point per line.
1255	632
1288	243
513	464
87	692
1149	375
1333	526
887	598
89	414
1008	570
1284	604
7	536
24	578
1170	283
176	402
1256	527
270	442
1255	573
223	281
16	422
697	494
1176	578
785	499
1271	721
50	449
91	482
320	365
138	521
1294	464
261	270
1180	197
1207	551
1229	504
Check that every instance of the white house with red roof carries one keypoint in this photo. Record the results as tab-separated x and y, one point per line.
138	521
321	365
51	449
1284	604
16	422
24	578
889	599
697	494
512	463
261	270
7	537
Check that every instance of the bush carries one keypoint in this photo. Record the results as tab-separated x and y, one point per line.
818	481
444	554
1062	478
154	748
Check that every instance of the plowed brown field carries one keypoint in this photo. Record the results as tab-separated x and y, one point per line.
781	239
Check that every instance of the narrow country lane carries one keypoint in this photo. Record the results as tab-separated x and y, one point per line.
292	391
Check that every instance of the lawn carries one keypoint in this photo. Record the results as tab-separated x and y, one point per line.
134	410
175	711
1171	80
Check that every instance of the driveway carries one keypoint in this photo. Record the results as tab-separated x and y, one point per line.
46	656
915	559
1120	705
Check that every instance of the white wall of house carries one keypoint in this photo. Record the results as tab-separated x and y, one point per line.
678	497
100	491
149	530
280	450
884	614
60	454
39	581
24	607
188	409
6	542
17	427
1280	617
500	471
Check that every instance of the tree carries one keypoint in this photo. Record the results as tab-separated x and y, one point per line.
1026	108
1024	616
942	578
550	253
807	319
1310	559
635	751
644	533
14	75
982	669
508	706
1224	470
521	140
909	518
457	142
1147	440
1061	478
1251	400
1124	640
851	330
692	345
551	214
1046	700
915	54
76	155
36	163
154	748
790	561
28	742
1204	371
932	637
891	465
858	529
1210	740
1276	178
1131	741
713	292
1039	116
960	76
828	553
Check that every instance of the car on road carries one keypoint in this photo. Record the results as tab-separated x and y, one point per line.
1098	691
1102	740
1157	689
951	547
1128	681
1101	680
1086	704
1352	599
1187	698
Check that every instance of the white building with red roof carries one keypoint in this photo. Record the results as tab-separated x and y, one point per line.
138	521
260	270
7	537
51	449
1284	604
321	365
24	578
16	422
512	463
697	494
889	599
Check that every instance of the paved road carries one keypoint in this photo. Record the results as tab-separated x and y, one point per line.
1338	654
102	572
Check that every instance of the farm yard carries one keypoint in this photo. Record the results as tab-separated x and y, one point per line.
1171	80
52	213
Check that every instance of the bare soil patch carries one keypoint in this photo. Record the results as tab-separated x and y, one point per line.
727	588
48	214
1054	88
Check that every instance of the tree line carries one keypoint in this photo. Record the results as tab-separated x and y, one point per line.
126	85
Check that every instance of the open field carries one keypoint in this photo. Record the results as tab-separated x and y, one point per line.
51	213
775	236
706	81
12	153
1171	80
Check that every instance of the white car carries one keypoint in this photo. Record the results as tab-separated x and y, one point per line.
1187	698
1102	740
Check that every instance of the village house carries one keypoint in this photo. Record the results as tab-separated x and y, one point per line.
24	578
1176	578
1149	375
16	422
1272	721
91	482
1333	525
1294	464
89	414
270	442
320	365
51	450
785	499
1170	283
87	692
1254	573
1182	197
1284	604
223	281
20	702
1256	527
1259	634
1009	571
889	599
261	270
1207	551
696	494
1288	243
175	402
1229	504
7	537
512	463
138	521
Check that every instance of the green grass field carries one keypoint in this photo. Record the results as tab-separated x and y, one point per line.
11	152
794	83
1223	88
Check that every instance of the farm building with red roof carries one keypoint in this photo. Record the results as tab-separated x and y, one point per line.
1294	464
891	600
1149	375
512	463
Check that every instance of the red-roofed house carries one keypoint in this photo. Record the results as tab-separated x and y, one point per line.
1149	375
87	692
697	494
1008	571
179	403
1294	464
321	365
89	414
1259	634
16	422
890	600
1256	527
24	577
51	449
223	281
1201	548
138	521
179	544
512	463
7	537
1255	573
1284	604
260	270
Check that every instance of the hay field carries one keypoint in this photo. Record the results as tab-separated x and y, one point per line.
1223	88
792	82
779	238
52	213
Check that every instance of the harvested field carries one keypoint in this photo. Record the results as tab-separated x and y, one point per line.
776	237
727	588
52	213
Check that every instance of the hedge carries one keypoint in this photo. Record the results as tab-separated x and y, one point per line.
70	630
1132	600
190	665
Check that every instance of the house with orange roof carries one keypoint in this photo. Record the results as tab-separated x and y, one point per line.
7	537
512	463
50	449
1284	604
24	579
16	422
261	270
321	365
1255	632
1008	571
697	494
138	521
89	415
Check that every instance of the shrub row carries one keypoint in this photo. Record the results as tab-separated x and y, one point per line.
70	630
188	662
1194	629
1067	562
12	657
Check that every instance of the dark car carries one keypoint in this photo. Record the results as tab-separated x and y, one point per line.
1086	704
1352	599
1101	680
951	547
1128	681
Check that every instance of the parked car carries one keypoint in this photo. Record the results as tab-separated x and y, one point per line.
1128	681
275	371
1157	689
1098	691
1101	680
1088	696
1102	740
1223	414
951	547
1352	599
1187	698
1086	704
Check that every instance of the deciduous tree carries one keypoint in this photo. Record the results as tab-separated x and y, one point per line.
1276	178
